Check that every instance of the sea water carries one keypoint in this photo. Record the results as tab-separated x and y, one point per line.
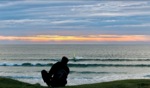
88	63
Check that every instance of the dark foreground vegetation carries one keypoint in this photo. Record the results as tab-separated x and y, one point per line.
132	83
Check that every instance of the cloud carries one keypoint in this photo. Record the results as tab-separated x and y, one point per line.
132	25
80	8
113	8
22	21
7	3
68	21
81	17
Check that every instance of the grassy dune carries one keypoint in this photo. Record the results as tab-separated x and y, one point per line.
137	83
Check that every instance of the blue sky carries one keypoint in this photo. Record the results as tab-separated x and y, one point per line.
69	18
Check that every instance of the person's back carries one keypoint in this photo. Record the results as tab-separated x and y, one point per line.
58	73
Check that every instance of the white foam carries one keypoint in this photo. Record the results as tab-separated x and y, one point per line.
98	79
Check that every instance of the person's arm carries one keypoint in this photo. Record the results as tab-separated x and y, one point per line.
67	70
53	69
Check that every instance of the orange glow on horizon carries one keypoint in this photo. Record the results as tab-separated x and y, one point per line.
87	38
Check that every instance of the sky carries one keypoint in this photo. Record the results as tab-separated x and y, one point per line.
74	21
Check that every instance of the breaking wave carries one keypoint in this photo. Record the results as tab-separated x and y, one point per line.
131	59
77	65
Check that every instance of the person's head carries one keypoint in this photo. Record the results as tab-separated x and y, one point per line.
64	60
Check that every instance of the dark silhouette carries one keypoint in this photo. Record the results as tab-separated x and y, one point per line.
57	76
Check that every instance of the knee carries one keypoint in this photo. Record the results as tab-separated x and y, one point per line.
43	71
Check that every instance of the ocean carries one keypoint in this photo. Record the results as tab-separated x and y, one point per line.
88	63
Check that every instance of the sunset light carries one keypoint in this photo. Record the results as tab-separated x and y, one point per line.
87	38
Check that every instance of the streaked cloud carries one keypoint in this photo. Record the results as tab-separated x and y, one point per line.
113	8
74	18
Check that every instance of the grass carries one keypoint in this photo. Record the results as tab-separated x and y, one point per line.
135	83
10	83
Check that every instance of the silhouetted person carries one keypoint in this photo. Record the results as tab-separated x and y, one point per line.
57	76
